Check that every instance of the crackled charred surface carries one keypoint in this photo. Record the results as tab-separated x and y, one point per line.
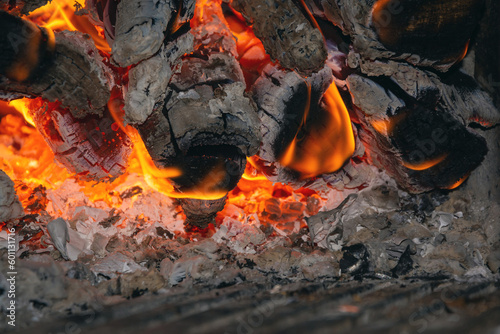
70	71
94	147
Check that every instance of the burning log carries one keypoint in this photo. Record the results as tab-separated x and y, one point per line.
417	141
206	126
10	207
70	71
424	33
141	26
288	33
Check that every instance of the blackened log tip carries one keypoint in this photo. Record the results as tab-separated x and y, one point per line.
200	213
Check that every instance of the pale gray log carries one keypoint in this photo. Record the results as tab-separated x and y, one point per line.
10	207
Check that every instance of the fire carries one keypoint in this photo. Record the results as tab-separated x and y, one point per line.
60	15
426	164
329	142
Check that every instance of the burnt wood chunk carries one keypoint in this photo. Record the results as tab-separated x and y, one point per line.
437	30
423	148
73	74
200	213
422	32
287	32
95	147
142	25
10	207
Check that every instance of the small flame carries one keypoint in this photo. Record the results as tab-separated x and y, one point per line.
459	182
22	108
426	164
328	144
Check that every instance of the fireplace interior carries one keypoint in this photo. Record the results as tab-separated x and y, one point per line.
241	166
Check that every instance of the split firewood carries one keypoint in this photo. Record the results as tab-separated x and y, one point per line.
141	27
287	31
422	32
21	7
10	207
69	69
95	147
423	148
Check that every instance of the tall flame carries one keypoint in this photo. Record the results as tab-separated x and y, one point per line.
329	143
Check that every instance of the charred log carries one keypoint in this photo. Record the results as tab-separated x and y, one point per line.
288	34
487	51
423	33
199	213
73	73
206	126
423	148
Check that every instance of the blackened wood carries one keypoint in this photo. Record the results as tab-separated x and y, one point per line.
74	76
421	32
487	51
422	148
287	33
200	213
10	207
435	30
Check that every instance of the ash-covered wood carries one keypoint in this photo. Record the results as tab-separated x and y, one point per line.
422	147
21	7
141	27
424	33
95	147
287	32
74	75
148	80
10	207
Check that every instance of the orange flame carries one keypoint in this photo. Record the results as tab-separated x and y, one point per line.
60	15
426	164
328	144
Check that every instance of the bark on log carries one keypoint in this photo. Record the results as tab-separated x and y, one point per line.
10	207
423	148
141	27
421	32
287	33
74	74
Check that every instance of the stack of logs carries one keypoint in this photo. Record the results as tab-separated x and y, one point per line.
188	94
